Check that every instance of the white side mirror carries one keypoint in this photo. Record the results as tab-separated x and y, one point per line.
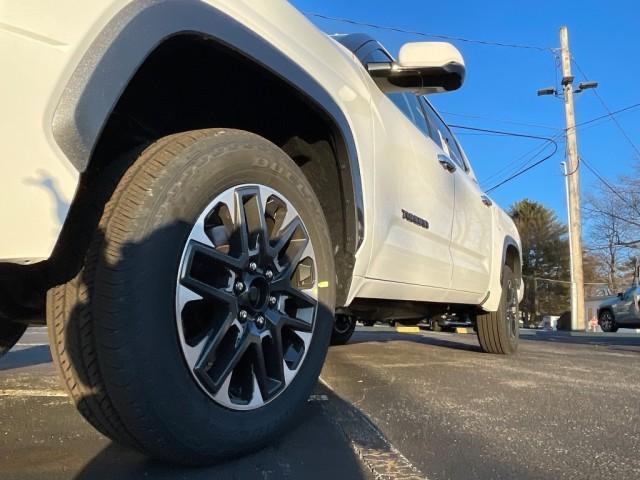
422	67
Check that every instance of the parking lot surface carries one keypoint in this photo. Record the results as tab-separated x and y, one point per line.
390	405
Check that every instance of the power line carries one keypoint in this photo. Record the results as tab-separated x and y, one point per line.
608	115
604	181
537	150
429	35
612	215
608	110
524	170
517	164
512	122
501	132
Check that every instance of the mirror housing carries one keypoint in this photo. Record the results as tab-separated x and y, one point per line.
620	295
422	67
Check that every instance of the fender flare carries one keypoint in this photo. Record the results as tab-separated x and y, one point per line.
491	300
134	33
509	241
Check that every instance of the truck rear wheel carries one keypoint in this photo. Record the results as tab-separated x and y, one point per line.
498	332
200	321
10	333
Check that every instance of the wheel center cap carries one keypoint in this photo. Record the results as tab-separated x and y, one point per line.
258	293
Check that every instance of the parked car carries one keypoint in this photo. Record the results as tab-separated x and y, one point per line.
195	187
621	311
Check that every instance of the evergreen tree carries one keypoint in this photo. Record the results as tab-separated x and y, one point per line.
545	257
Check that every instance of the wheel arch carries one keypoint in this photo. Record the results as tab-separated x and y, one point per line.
507	253
606	308
511	257
88	108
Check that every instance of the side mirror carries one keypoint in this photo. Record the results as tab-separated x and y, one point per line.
620	295
422	67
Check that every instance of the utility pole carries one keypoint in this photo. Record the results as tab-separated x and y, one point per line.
573	180
572	285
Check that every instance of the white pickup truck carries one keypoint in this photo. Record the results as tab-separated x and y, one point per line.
194	190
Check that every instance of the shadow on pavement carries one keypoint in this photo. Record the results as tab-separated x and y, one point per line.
315	449
25	357
390	336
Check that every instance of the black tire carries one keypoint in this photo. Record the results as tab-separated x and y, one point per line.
113	328
10	333
368	323
343	329
498	332
435	326
607	321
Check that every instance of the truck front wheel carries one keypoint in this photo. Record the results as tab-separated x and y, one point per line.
200	321
498	332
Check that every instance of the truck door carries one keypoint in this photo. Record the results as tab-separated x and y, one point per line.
472	232
414	199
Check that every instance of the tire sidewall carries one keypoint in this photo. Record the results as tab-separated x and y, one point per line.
508	277
186	418
505	328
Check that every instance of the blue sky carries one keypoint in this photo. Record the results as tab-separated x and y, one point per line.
501	83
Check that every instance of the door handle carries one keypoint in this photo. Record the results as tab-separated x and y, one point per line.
446	163
486	200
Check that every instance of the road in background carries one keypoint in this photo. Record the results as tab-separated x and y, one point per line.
403	405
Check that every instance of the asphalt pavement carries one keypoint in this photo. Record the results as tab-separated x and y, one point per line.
389	405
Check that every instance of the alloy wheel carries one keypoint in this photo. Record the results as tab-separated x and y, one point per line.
512	309
246	296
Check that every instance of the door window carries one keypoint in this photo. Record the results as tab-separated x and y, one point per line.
441	134
375	56
408	104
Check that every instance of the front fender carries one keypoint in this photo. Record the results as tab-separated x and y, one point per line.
135	31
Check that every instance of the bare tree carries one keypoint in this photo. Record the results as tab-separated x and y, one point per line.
613	226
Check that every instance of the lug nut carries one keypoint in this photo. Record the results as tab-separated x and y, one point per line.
242	315
253	266
268	274
273	301
239	287
260	321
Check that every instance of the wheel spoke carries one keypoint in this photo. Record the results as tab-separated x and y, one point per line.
210	342
215	366
240	229
255	225
278	353
296	323
302	299
268	379
289	247
226	261
208	291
